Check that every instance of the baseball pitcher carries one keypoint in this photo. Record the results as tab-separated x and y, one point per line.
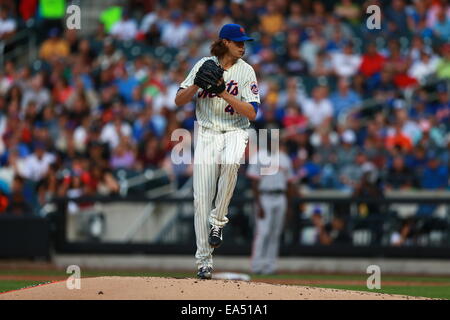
227	97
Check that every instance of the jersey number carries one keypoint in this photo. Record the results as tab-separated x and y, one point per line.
229	109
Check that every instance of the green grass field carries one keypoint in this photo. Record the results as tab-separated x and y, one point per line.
432	287
8	285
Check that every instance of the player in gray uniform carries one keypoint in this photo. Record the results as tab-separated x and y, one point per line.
221	140
272	191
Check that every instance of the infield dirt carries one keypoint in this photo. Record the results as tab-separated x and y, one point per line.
154	288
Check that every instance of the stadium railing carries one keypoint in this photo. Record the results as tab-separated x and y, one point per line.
370	234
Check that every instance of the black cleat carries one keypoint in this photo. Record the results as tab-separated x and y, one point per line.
215	237
204	273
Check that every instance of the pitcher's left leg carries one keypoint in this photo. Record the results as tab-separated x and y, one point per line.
235	144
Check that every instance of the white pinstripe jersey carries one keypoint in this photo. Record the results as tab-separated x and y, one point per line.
214	112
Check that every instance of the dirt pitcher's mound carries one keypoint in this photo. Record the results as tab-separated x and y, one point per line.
140	288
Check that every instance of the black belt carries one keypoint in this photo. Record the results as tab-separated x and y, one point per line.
273	191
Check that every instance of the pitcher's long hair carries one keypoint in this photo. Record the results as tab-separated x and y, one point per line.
218	48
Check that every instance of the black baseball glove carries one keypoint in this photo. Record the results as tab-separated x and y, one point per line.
209	77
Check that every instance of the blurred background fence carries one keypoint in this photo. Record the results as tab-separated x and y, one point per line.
396	226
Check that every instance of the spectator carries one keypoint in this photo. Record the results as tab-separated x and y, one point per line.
425	67
312	46
54	47
266	43
410	128
336	41
293	118
292	93
35	166
399	176
322	65
296	17
445	153
123	156
402	79
179	173
395	58
7	79
334	232
307	171
269	65
350	175
443	68
442	106
420	109
336	23
344	99
103	182
348	10
442	26
62	91
397	139
406	234
417	161
417	13
126	28
126	84
327	153
369	187
17	203
417	47
346	63
80	134
433	12
110	55
318	15
84	53
272	21
49	185
397	19
98	152
73	40
151	152
318	109
348	151
218	19
268	117
250	17
293	62
425	31
150	28
114	130
372	62
175	32
435	175
7	24
431	138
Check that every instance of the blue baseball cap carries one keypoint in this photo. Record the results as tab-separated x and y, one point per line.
234	32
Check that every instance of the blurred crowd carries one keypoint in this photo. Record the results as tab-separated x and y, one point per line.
361	110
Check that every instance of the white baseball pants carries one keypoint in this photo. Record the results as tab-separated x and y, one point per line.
217	159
